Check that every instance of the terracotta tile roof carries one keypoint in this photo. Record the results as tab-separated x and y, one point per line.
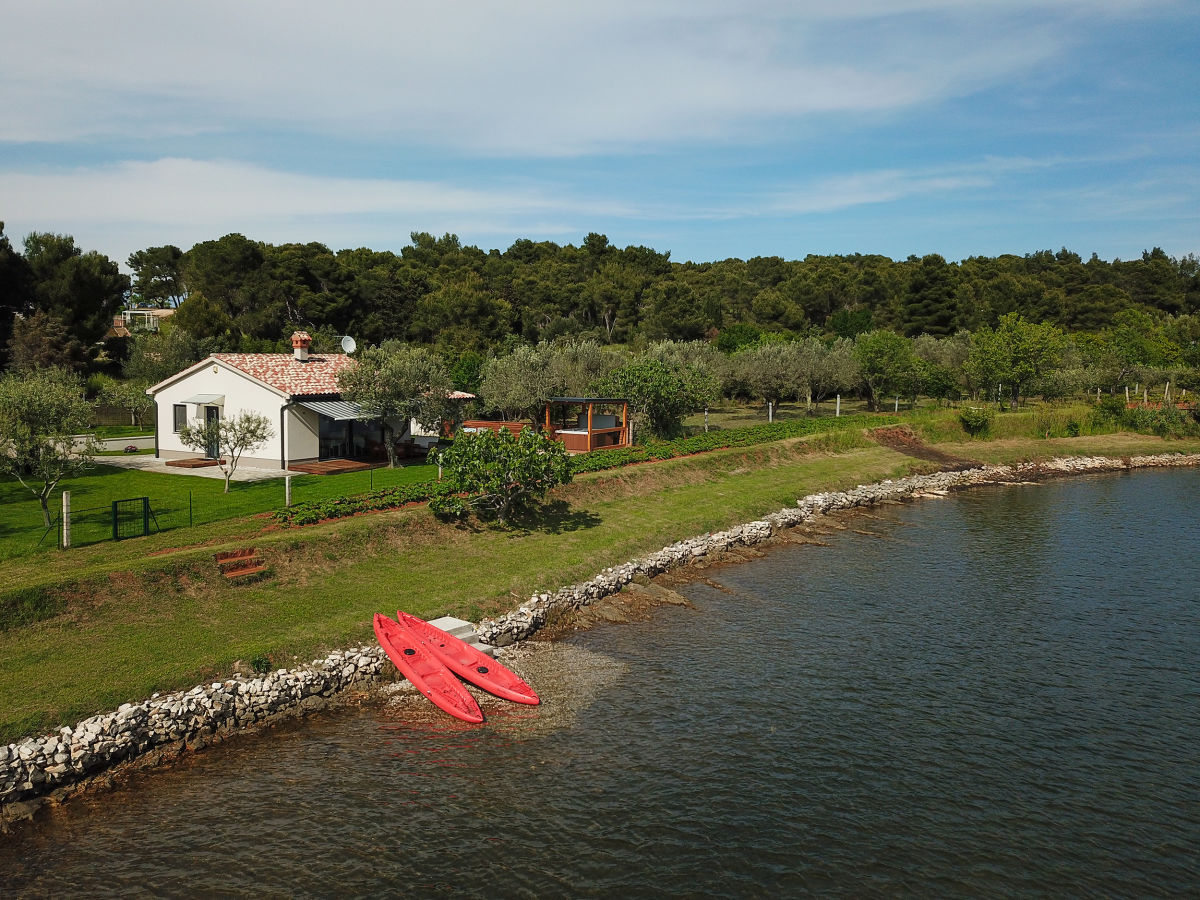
284	372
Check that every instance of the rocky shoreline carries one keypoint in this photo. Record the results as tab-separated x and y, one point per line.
54	767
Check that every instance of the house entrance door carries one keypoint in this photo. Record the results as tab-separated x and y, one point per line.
212	415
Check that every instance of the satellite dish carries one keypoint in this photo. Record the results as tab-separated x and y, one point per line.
348	344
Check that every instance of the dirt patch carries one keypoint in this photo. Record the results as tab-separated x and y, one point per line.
902	439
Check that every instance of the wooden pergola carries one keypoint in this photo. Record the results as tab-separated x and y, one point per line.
593	429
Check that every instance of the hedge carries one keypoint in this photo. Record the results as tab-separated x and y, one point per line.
720	440
311	511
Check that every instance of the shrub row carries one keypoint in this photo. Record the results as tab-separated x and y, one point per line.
720	440
311	511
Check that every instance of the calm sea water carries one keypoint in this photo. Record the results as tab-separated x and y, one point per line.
995	694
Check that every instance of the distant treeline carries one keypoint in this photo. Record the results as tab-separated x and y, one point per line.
438	292
234	293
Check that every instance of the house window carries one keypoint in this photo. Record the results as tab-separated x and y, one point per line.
180	410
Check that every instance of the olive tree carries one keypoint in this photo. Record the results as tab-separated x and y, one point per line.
772	371
519	383
229	438
577	365
825	369
44	420
397	382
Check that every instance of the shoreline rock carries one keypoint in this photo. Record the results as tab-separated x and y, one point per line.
53	767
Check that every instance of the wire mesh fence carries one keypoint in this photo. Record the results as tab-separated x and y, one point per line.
100	521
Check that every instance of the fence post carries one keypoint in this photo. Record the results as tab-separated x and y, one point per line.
287	490
66	519
838	414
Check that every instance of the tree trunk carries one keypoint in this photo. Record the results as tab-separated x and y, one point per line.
389	445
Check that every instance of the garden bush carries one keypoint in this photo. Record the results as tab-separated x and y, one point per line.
976	420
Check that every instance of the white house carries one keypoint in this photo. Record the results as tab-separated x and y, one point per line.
298	393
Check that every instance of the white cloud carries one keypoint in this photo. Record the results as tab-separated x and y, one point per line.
539	78
124	207
212	192
847	190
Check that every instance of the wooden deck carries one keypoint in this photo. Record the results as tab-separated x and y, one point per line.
197	463
331	467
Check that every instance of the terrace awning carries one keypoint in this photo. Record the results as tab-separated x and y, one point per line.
588	400
206	398
338	410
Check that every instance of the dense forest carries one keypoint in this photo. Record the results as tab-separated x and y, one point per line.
468	305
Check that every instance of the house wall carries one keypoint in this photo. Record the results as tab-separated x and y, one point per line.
241	395
302	435
422	436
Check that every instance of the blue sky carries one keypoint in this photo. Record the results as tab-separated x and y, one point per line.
707	129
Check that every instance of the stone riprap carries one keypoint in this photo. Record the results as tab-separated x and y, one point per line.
39	766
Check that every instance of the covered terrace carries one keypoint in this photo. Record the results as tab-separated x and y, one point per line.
583	424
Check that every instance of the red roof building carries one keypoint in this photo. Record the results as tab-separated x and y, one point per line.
300	395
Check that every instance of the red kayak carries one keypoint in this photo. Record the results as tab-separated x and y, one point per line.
430	676
472	664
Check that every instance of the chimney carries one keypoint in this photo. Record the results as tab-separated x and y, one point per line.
301	341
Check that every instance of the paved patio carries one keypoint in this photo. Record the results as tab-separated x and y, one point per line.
149	464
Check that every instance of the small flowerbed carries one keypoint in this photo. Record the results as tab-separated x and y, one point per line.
313	511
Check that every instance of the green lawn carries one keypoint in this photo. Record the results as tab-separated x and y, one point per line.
112	431
176	501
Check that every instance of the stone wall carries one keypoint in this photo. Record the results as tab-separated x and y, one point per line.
41	766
